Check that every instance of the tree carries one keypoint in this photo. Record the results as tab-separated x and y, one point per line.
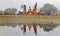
11	11
1	11
49	9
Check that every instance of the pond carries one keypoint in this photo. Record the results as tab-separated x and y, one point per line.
30	30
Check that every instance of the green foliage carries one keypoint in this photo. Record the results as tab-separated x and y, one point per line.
11	10
49	9
1	11
49	27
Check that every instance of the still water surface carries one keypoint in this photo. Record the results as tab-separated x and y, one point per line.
30	30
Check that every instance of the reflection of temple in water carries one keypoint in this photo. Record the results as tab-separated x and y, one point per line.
35	28
23	28
29	26
46	27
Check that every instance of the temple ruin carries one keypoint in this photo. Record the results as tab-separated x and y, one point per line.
24	10
32	12
35	9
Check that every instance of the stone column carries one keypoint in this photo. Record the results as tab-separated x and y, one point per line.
24	10
29	11
35	9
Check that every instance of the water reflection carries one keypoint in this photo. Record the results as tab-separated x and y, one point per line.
49	27
24	28
35	28
46	27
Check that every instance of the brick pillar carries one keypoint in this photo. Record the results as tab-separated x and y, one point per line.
24	10
29	10
35	9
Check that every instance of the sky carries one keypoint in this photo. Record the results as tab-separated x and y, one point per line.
17	3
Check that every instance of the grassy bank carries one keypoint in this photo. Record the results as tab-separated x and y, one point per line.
27	19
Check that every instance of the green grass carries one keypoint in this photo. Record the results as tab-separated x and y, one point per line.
28	19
